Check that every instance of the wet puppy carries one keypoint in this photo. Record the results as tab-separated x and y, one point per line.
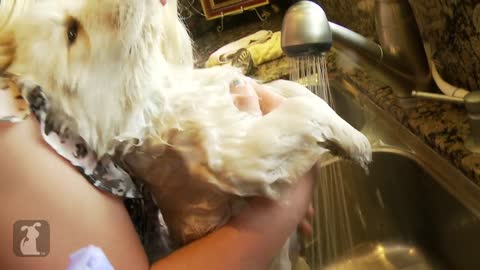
119	74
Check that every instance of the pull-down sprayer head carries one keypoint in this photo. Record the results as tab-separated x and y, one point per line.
399	60
306	30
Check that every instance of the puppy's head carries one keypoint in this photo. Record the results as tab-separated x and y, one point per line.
61	44
94	56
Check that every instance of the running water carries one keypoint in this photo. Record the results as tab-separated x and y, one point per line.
332	237
311	71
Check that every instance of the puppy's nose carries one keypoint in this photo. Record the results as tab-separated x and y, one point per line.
164	2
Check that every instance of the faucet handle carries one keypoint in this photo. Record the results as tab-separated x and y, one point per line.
471	100
438	97
472	104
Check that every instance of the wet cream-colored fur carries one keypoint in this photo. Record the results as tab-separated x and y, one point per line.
129	76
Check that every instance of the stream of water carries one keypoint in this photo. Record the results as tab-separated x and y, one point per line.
332	234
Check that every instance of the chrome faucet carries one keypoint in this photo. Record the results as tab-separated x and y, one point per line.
399	60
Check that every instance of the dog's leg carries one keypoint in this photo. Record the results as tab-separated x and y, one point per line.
284	144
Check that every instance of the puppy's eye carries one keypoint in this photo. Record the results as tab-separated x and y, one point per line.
72	31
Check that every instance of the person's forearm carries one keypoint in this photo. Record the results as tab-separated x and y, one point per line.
249	241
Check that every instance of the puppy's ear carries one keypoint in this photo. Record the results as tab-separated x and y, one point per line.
7	50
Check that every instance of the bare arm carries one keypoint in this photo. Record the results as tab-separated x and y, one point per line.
254	237
38	184
249	241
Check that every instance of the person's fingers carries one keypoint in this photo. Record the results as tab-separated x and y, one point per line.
245	97
305	228
268	99
310	212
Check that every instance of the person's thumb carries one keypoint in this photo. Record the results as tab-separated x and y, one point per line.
245	97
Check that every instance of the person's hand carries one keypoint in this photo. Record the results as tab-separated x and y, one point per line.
253	98
305	227
257	233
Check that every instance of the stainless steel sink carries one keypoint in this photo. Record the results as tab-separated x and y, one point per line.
347	106
413	210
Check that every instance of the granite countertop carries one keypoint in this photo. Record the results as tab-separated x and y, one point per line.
442	126
213	40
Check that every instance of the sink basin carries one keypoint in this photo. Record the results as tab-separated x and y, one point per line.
347	108
412	211
400	217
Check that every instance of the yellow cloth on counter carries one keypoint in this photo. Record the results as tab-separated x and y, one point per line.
266	51
263	46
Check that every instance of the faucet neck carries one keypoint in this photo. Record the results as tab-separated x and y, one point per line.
400	37
400	60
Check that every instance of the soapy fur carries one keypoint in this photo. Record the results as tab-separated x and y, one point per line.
127	86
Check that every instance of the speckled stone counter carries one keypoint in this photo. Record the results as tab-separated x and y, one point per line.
451	27
213	40
442	126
